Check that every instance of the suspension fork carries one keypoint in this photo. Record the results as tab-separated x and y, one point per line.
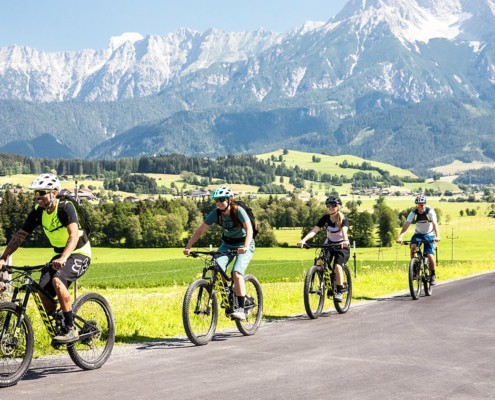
197	309
21	307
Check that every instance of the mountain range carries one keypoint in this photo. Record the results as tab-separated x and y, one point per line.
407	82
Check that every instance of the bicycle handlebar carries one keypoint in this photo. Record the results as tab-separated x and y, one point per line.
322	246
417	241
25	268
196	254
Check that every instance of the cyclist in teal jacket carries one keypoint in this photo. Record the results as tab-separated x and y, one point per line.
237	235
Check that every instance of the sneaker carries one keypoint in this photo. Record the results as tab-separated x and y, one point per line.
69	337
433	280
239	314
337	297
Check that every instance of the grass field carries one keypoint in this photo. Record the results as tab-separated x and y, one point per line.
145	287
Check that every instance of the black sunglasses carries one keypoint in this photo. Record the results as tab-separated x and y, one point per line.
221	199
332	204
39	193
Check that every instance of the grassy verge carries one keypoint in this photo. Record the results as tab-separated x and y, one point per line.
146	293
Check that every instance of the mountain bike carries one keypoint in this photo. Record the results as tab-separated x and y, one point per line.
320	282
419	272
93	320
200	306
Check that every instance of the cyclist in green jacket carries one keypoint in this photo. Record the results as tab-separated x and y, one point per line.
72	249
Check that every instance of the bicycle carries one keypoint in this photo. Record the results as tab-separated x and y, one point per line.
93	320
419	271
320	281
200	306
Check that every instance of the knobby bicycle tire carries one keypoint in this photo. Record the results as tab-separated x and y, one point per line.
343	306
314	292
199	314
93	319
253	307
415	278
15	352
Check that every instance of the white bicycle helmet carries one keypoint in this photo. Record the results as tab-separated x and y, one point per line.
222	191
420	199
45	182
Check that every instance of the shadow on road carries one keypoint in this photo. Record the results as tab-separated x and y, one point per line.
403	297
40	373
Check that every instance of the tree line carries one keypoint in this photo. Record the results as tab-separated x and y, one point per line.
197	170
169	223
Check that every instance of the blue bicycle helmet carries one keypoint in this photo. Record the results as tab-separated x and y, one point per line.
222	191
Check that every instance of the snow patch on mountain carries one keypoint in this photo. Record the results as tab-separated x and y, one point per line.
131	37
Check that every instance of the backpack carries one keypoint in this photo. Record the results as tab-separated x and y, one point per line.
81	213
249	212
427	210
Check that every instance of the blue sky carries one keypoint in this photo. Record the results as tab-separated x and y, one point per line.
55	25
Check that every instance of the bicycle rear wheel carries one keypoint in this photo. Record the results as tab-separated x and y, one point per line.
93	319
200	312
415	278
344	305
16	349
253	307
314	292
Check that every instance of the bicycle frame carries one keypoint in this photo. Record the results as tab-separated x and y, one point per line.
419	252
32	288
328	270
218	280
419	270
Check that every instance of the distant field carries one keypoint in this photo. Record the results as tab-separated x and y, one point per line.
329	164
457	167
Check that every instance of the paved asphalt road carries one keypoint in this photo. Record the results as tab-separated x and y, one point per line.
439	347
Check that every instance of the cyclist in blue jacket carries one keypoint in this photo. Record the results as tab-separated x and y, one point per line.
427	230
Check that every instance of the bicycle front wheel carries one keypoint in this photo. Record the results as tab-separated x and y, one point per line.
314	292
414	278
253	307
344	305
427	282
16	348
93	319
200	312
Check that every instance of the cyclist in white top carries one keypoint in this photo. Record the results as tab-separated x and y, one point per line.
425	219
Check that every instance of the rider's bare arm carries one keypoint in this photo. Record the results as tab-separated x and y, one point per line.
309	236
13	245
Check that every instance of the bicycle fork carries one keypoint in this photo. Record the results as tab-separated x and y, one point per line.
9	342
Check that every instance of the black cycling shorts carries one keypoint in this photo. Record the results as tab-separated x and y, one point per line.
75	266
340	256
